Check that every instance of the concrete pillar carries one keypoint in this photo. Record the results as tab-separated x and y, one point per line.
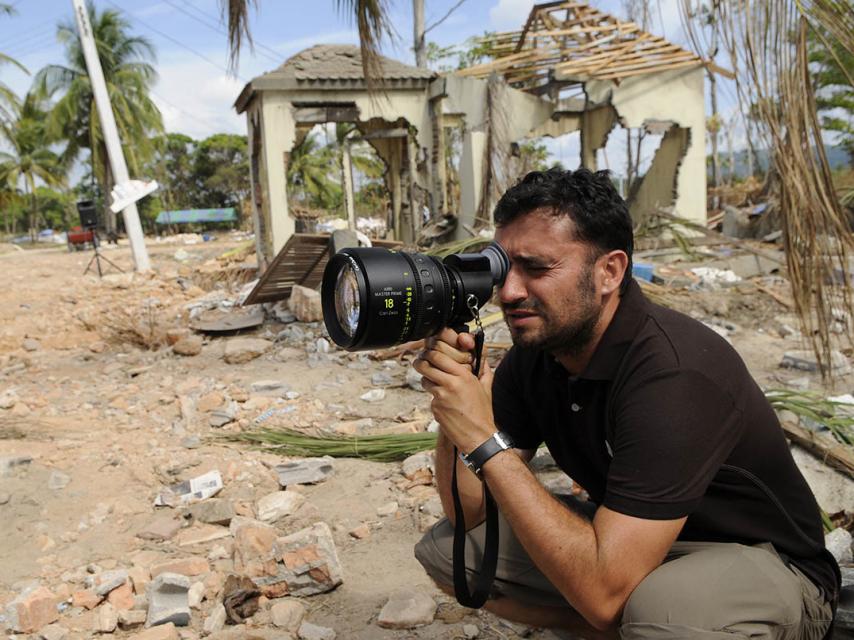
658	186
439	183
394	168
471	180
596	124
279	138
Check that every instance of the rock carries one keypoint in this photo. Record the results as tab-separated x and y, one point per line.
374	395
407	609
361	532
305	304
196	595
270	388
58	480
132	618
220	418
108	618
86	598
215	620
254	547
201	534
805	360
190	345
163	527
140	577
243	350
240	598
192	566
470	631
53	632
162	632
168	600
310	563
358	427
9	464
278	505
281	312
8	399
32	610
381	379
418	462
305	471
413	379
288	614
388	509
838	542
210	401
121	597
106	581
309	631
31	344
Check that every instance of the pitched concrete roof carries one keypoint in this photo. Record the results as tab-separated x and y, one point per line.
333	67
342	62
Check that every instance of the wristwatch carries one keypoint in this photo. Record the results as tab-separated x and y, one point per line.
476	459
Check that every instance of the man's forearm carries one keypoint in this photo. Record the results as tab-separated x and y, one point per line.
470	488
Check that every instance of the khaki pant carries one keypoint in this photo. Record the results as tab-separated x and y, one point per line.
704	590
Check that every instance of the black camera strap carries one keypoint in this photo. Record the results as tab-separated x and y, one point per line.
486	575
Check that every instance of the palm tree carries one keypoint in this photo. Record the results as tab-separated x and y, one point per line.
30	158
371	19
128	76
309	170
9	104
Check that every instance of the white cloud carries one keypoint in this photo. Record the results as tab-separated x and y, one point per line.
348	36
510	14
197	99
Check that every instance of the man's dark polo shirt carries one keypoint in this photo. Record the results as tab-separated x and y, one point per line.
666	422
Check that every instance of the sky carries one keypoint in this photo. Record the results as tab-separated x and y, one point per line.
194	91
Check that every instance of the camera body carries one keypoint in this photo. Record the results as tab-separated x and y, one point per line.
374	298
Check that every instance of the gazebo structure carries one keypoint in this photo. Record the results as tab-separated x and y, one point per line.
618	73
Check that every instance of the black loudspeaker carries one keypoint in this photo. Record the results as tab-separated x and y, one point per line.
88	214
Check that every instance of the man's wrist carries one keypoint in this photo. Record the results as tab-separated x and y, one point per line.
481	454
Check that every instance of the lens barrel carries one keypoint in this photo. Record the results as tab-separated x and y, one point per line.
374	298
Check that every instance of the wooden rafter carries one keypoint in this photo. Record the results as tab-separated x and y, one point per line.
576	40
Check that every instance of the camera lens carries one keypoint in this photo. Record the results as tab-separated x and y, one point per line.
374	298
347	300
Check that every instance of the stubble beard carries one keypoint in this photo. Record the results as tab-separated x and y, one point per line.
570	337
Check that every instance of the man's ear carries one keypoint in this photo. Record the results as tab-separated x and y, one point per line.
613	265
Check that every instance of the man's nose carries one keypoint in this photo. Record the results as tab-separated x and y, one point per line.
513	289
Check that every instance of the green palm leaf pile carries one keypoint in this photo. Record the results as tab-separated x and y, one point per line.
379	448
814	409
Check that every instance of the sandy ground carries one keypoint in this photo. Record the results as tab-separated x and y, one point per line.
107	424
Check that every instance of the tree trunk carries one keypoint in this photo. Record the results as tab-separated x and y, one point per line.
716	166
419	43
628	160
109	217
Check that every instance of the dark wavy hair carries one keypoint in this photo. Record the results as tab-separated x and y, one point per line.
600	216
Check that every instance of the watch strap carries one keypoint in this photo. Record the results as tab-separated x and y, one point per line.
499	442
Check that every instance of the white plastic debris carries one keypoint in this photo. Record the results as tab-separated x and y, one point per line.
199	488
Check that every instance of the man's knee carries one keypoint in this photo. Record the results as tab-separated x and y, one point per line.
717	592
435	553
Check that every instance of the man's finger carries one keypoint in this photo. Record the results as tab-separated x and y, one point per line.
455	362
465	341
463	357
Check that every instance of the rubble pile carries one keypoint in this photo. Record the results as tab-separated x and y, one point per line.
130	517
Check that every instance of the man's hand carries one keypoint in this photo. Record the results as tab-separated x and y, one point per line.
462	404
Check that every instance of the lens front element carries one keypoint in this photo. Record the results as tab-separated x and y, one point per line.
347	300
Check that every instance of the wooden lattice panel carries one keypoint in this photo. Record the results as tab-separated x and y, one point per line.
300	262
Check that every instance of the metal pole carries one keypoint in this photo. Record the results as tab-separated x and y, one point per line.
111	133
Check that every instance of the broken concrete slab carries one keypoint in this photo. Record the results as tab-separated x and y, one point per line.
805	360
305	304
108	618
228	320
305	471
31	610
407	609
254	547
243	350
162	527
288	614
106	581
168	600
278	505
215	620
311	564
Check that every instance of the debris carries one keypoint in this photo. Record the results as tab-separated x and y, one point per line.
407	609
33	609
374	395
105	582
108	619
31	344
270	388
471	631
8	399
288	614
361	532
10	463
198	488
417	462
162	632
805	360
388	509
254	547
215	620
382	379
168	600
190	345
212	511
309	631
838	542
713	278
53	632
305	304
243	350
201	534
278	505
228	320
306	471
196	595
132	618
310	560
413	379
192	566
86	598
281	312
240	598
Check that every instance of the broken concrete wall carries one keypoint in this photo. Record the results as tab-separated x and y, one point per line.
675	96
658	186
